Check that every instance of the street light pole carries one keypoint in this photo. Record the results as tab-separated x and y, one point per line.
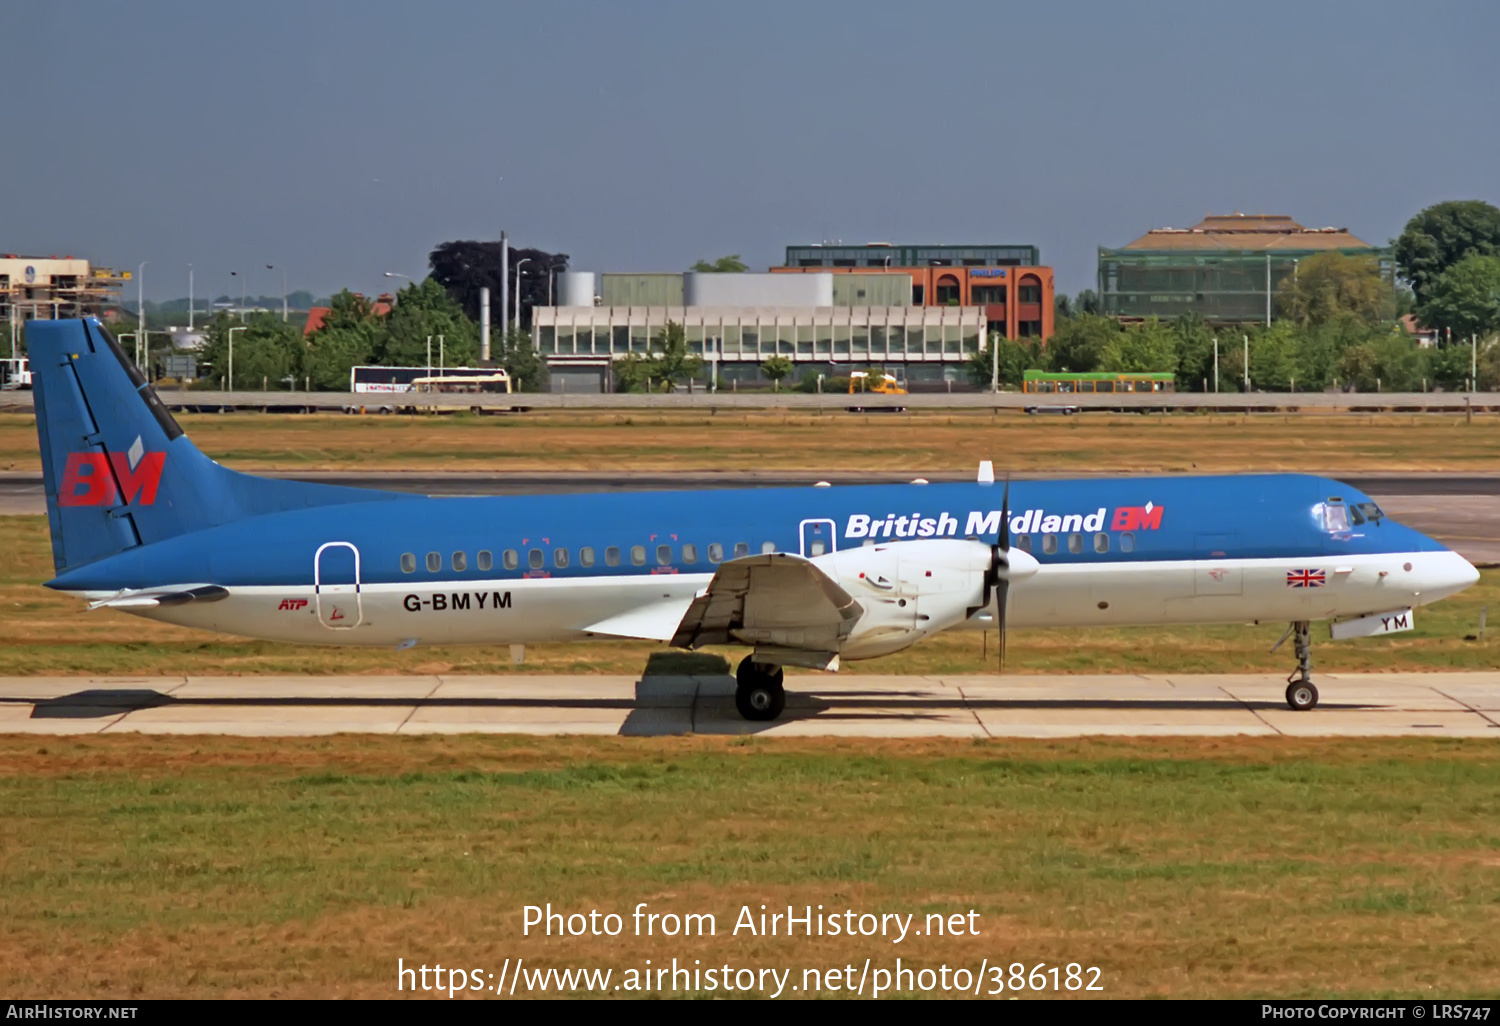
140	295
273	267
190	297
230	376
1216	363
241	277
523	260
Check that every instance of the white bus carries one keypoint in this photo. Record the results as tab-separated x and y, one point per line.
464	384
15	373
391	380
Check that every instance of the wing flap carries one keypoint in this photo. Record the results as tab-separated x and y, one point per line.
774	598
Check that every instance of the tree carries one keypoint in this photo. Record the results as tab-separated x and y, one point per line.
422	310
632	373
1087	302
1148	348
731	264
671	361
350	334
776	368
514	352
1016	357
1062	307
464	267
1331	285
1465	299
267	352
1441	236
1077	343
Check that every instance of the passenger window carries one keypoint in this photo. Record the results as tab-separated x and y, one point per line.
434	561
585	557
1127	541
1049	543
767	547
612	556
715	552
664	555
638	555
535	559
1075	542
1101	542
1023	542
485	560
690	553
408	562
741	549
460	562
559	558
510	559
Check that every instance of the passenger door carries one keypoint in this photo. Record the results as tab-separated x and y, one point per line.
336	588
818	537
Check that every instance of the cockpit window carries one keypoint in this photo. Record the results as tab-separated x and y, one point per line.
1335	518
1371	511
1355	516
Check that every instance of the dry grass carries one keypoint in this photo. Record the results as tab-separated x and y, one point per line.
188	867
44	633
917	441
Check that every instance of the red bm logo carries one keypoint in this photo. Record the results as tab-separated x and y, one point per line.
100	479
1137	518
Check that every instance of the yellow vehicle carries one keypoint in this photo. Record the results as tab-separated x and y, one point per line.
497	381
884	384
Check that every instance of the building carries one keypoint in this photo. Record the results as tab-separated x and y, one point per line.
1007	280
1226	268
48	288
380	306
736	321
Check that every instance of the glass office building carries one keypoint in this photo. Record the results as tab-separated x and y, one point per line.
927	343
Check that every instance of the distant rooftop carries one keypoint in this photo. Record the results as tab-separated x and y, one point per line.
1248	231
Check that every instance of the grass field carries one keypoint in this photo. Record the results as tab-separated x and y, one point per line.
917	441
164	867
42	632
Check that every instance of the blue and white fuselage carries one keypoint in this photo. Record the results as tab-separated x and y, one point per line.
142	521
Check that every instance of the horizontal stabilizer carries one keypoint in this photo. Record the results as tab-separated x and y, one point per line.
147	599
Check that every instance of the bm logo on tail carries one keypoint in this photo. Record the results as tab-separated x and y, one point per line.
112	479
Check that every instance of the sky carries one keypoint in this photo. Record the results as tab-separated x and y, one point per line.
345	140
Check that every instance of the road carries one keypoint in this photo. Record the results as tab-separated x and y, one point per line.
1353	705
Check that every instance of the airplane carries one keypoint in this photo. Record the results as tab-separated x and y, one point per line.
809	577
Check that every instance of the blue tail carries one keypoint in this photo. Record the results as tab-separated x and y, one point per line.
118	470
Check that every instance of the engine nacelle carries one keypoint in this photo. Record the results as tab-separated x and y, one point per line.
912	589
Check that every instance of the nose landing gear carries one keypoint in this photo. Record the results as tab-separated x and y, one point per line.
759	695
1301	692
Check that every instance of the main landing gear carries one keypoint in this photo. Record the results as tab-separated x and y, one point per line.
1301	693
759	696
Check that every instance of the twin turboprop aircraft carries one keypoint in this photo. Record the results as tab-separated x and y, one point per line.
805	577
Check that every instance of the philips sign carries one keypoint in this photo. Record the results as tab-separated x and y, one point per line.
987	272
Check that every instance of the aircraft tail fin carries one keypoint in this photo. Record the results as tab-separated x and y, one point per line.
117	468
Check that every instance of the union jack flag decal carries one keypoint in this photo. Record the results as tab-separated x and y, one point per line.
1305	579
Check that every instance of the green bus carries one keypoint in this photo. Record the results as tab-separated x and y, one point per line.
1053	382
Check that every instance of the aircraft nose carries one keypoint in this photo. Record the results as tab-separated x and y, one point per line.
1444	573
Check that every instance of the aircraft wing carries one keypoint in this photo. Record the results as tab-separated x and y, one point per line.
775	600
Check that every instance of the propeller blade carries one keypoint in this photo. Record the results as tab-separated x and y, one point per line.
1005	517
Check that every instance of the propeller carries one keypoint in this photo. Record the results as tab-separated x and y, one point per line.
997	577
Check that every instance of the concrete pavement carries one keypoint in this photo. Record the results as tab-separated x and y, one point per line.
1353	705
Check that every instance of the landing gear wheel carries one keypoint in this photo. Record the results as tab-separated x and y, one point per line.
759	696
1301	695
